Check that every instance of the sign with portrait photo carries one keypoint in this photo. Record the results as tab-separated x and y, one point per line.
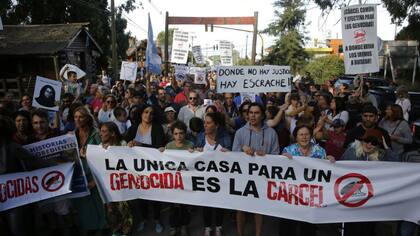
47	94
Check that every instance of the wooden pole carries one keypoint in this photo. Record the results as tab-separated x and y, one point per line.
166	44
254	39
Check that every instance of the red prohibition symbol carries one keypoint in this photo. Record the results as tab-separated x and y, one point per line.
344	198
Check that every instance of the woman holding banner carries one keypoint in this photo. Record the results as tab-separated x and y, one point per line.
147	133
303	147
90	208
214	138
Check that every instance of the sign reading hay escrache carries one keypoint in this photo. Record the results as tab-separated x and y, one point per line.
253	79
359	27
304	189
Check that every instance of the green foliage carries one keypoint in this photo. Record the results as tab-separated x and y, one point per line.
71	11
324	68
161	38
290	30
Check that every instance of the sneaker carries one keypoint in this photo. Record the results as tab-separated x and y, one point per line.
184	230
172	231
207	231
141	226
158	227
218	231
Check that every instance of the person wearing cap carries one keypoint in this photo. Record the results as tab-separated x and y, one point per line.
170	119
370	147
369	121
334	138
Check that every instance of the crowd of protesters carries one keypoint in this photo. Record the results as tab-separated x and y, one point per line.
317	121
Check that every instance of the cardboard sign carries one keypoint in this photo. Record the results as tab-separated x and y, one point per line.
47	94
225	49
181	72
180	47
128	71
199	75
253	79
198	55
360	43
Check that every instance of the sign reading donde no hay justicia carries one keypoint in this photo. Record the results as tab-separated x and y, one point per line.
303	189
359	26
267	78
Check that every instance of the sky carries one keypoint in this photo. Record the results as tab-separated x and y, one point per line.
317	26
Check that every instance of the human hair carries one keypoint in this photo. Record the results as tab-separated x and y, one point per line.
217	118
262	108
294	96
241	107
7	128
73	106
42	91
196	124
23	113
397	113
68	96
340	104
296	130
86	113
70	73
118	111
211	107
110	96
178	125
142	109
113	128
40	113
273	110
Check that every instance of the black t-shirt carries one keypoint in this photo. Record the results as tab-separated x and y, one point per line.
359	131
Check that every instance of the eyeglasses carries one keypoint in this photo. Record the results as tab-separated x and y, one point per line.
193	98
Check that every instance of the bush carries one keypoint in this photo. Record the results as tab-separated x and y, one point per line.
324	68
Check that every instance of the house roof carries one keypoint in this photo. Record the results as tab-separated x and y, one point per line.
39	39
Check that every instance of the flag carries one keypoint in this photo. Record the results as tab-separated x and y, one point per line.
153	60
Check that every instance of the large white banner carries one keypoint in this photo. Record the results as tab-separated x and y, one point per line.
180	47
359	27
22	188
304	189
254	79
225	49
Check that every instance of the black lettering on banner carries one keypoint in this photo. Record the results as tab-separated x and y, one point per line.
250	189
320	175
197	183
213	183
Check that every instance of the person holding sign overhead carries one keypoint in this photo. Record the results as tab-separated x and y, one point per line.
255	139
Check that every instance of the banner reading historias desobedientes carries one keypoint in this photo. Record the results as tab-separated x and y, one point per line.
359	26
304	189
255	79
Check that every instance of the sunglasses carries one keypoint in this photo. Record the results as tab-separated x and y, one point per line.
193	98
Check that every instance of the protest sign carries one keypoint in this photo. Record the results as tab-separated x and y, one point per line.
128	71
304	189
22	188
250	97
181	72
198	55
47	94
69	67
256	79
180	47
61	149
359	26
199	75
225	49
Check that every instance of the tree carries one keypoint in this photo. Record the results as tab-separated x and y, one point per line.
324	68
288	27
161	38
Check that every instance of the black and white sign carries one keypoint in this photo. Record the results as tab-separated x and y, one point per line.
359	26
225	49
253	79
198	55
180	47
181	72
199	75
47	93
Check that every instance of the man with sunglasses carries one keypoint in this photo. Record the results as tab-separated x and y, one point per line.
369	121
192	109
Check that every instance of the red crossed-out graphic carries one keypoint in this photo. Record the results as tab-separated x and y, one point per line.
53	181
343	199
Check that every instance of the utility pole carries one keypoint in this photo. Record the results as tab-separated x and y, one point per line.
246	48
114	42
